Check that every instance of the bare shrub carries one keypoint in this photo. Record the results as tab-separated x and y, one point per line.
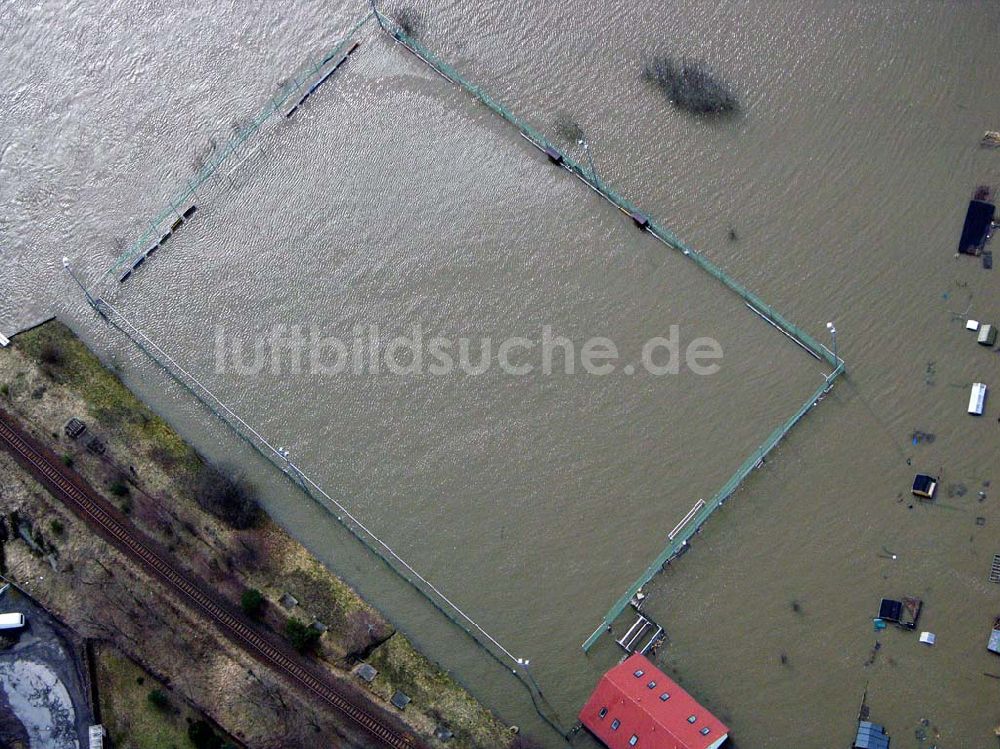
410	21
231	499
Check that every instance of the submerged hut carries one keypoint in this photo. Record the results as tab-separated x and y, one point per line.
978	219
905	613
987	335
924	486
871	736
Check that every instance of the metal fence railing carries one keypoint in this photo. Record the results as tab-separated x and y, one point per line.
667	237
177	210
680	539
178	207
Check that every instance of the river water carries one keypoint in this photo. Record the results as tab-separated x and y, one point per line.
393	200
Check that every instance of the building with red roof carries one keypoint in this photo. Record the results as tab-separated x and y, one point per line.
637	705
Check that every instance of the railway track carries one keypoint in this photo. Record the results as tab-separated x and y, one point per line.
73	491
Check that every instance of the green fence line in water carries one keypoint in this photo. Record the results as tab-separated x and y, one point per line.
671	240
158	225
694	524
311	489
663	234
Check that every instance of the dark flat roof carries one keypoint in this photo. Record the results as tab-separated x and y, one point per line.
977	224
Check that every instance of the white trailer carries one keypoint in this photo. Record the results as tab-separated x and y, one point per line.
977	399
11	621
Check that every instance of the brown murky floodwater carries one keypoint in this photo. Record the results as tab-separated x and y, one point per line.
534	501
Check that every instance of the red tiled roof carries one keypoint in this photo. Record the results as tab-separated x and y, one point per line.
638	711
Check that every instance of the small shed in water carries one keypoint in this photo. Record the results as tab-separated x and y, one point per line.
993	645
977	399
987	335
903	613
978	218
924	486
871	736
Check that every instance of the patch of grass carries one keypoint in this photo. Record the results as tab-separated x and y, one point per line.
65	358
128	710
158	699
434	692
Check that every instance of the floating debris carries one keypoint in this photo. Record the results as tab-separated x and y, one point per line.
903	613
919	436
873	654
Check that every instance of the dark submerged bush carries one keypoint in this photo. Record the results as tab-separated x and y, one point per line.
410	21
568	130
690	86
232	500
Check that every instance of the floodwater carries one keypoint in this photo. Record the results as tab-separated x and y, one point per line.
533	501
